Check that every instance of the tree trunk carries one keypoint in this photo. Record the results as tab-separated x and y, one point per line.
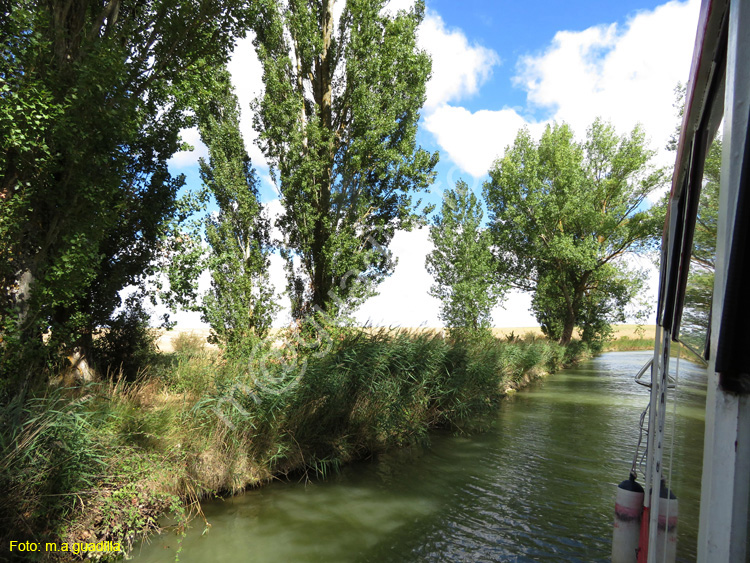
323	88
567	333
570	314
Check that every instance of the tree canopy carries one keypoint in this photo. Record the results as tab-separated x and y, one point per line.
564	213
240	304
93	95
338	122
462	263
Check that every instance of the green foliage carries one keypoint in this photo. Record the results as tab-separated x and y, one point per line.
369	392
108	459
563	214
48	452
576	350
126	344
86	465
338	122
93	96
240	305
191	372
696	315
462	262
625	344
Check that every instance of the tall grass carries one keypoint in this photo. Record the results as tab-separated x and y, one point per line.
102	462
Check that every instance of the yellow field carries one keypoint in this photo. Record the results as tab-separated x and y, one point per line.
621	331
166	338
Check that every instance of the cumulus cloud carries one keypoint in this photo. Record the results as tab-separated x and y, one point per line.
276	271
473	140
184	159
459	67
394	6
247	79
184	320
404	300
625	74
514	311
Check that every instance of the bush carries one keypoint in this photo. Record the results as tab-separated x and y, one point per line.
127	345
188	344
50	453
555	359
575	351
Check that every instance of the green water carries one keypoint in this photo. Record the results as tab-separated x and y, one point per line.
537	486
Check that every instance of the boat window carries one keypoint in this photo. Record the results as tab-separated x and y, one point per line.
696	313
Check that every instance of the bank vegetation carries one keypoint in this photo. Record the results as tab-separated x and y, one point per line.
105	460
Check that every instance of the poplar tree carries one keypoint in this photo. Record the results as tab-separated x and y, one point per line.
462	262
240	304
338	122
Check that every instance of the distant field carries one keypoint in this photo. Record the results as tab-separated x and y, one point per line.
621	331
166	338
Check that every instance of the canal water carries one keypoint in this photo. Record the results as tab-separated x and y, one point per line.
538	485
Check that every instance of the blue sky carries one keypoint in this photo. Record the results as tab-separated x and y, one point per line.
498	66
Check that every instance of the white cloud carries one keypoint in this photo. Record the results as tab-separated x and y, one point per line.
459	67
183	159
183	319
514	311
278	281
474	140
626	74
247	78
393	6
274	209
623	73
276	271
404	300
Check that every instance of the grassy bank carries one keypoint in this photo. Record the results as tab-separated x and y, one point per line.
627	344
102	462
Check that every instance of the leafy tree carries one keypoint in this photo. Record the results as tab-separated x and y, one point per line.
563	214
338	122
92	97
462	262
240	305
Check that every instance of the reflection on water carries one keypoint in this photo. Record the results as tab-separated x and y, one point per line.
538	486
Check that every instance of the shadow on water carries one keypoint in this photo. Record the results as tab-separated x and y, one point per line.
537	486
